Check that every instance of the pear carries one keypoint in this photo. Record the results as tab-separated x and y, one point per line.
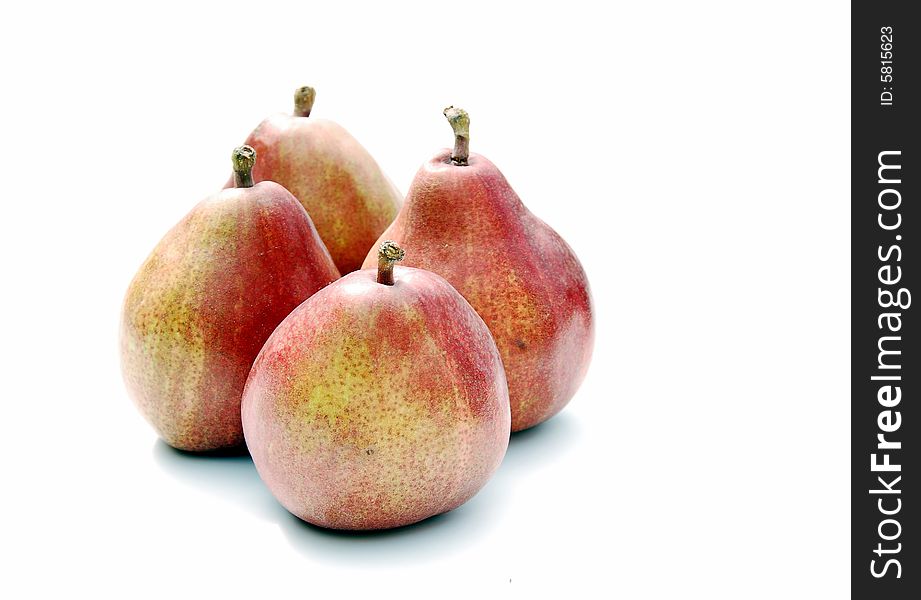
378	402
348	197
465	222
207	298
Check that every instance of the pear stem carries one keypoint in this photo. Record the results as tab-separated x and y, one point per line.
388	254
243	159
303	101
460	123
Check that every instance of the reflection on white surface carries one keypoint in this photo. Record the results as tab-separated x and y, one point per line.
233	476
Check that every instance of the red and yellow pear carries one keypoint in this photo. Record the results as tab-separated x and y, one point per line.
348	197
378	402
206	299
464	221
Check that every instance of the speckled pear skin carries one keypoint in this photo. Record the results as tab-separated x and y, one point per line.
467	224
345	192
204	302
375	406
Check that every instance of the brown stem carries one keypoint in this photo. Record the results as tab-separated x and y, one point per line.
388	254
460	123
243	159
303	101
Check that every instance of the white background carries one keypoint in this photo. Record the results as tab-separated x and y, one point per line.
695	155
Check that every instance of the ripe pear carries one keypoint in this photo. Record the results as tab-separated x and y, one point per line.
378	402
345	192
207	298
465	222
